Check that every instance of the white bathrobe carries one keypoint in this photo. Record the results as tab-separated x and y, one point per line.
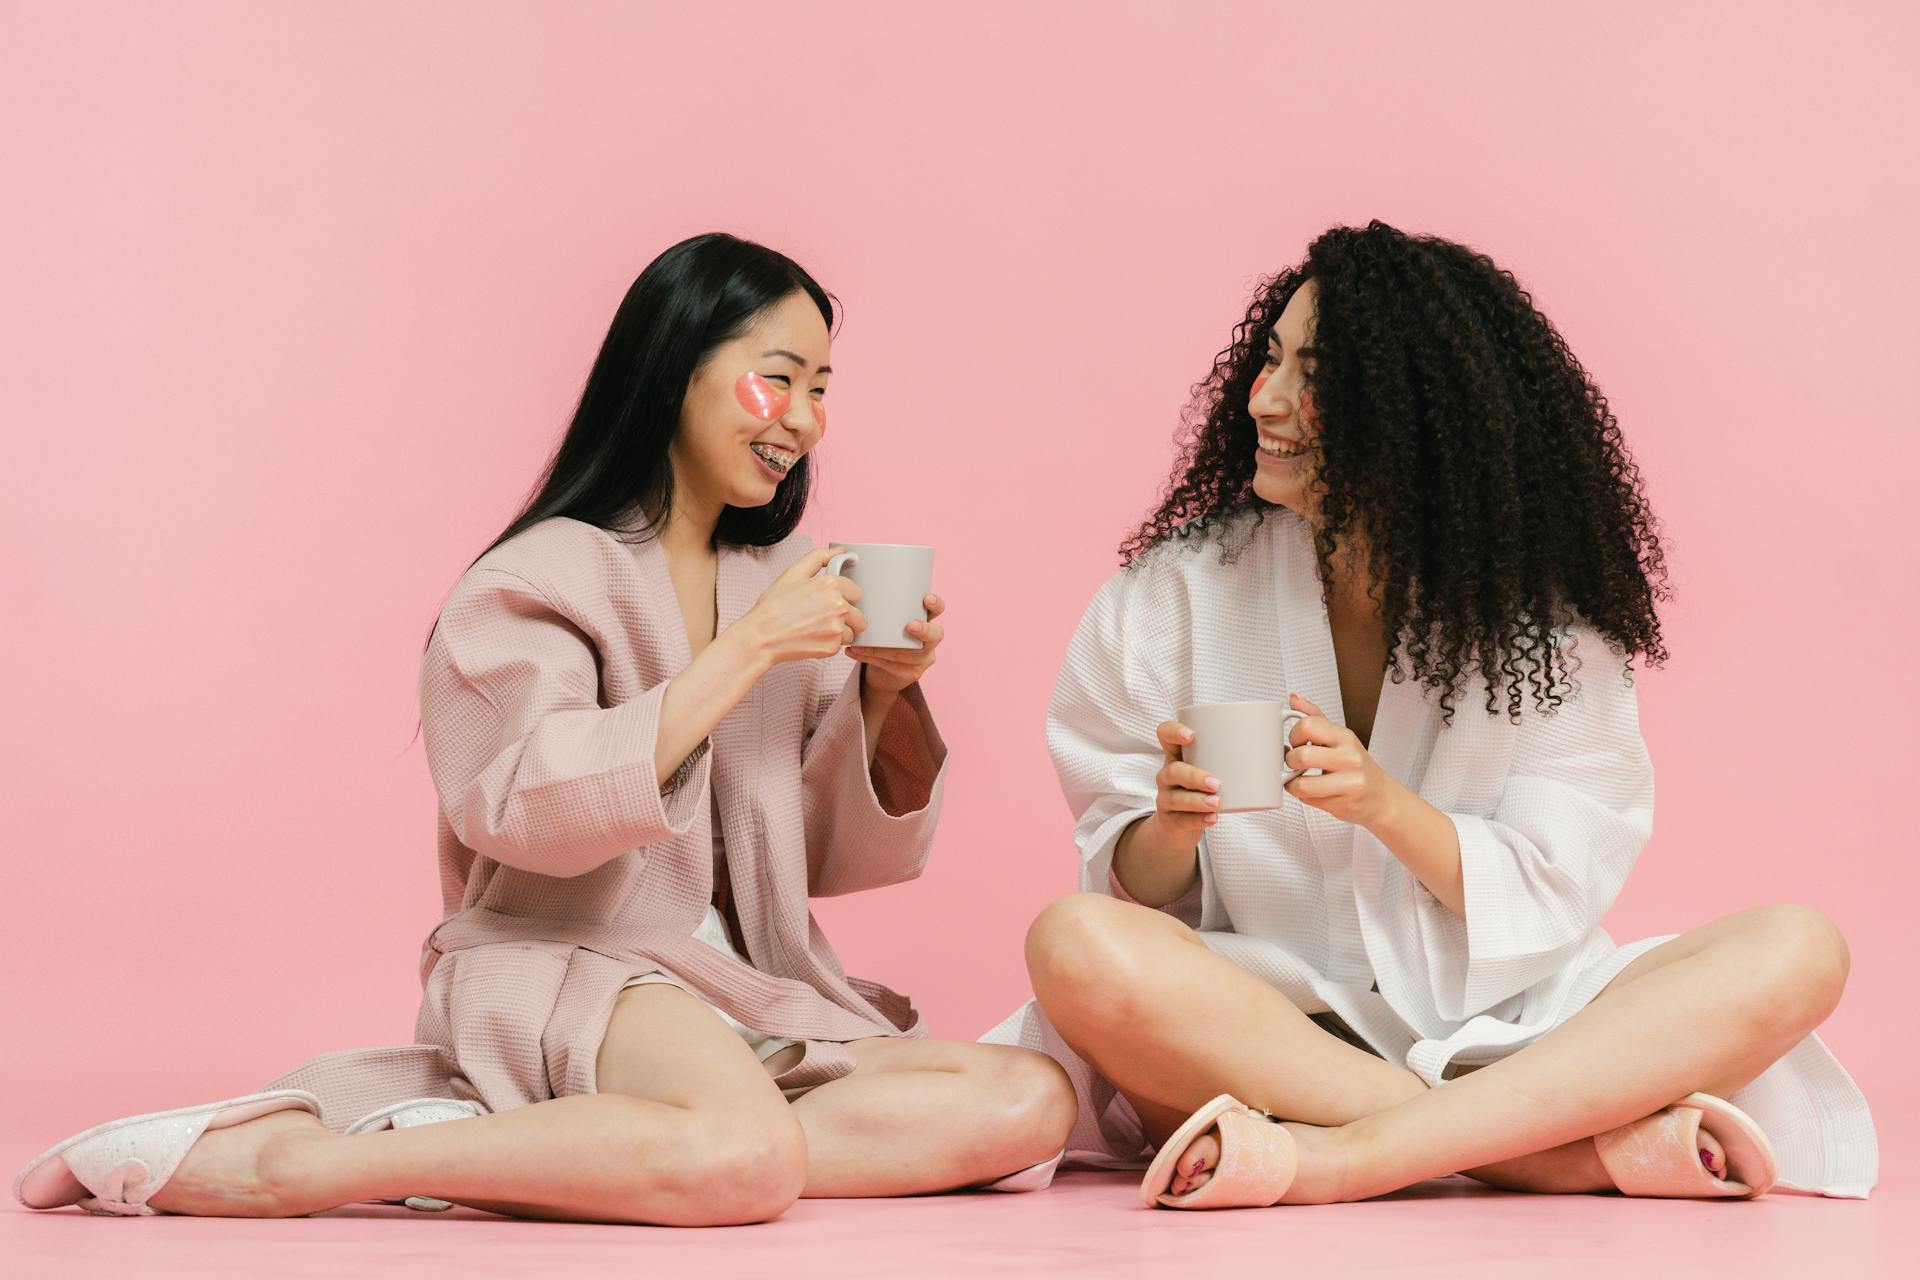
1551	814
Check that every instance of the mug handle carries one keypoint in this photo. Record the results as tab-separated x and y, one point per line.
1288	719
840	561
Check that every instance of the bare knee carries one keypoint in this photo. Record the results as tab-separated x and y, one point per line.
756	1170
733	1167
1083	956
1038	1106
1798	961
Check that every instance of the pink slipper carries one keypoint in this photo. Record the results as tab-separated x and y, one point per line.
1660	1155
406	1115
115	1168
1257	1160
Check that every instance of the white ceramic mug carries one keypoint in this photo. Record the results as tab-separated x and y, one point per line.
894	580
1244	744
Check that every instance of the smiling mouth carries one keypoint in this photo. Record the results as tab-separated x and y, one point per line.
776	458
1274	447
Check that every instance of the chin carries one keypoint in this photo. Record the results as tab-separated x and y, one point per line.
1288	496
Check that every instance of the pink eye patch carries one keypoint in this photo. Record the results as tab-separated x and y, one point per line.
820	416
1258	383
761	398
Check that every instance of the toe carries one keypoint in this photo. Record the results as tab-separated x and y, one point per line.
1196	1163
1713	1157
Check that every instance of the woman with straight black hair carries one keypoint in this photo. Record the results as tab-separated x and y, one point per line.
650	749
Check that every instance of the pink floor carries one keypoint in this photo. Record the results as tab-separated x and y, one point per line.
1089	1224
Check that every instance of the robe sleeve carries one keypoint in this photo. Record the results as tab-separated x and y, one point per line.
867	826
532	771
1544	866
1103	718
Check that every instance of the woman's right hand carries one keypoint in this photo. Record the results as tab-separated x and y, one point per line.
804	613
1185	798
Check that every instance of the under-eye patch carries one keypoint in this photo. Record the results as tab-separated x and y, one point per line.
761	398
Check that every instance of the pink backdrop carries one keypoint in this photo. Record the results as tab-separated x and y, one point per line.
296	299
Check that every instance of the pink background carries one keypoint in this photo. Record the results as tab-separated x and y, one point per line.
297	297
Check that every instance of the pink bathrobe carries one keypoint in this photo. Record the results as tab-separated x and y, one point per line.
566	869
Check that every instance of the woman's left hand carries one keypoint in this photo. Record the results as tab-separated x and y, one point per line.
891	670
1351	785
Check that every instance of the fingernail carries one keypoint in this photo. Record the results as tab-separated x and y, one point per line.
1213	799
1706	1158
1213	782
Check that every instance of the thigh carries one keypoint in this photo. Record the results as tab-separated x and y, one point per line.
1172	1023
915	1116
1737	927
666	1045
898	1053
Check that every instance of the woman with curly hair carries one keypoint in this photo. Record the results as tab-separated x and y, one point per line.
1404	508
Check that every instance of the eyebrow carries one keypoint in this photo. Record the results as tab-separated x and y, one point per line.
777	351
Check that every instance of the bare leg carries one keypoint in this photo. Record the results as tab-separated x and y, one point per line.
1141	998
918	1116
1171	1024
1724	1004
688	1130
1575	1166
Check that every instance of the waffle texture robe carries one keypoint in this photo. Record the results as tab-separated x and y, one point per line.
566	868
1551	813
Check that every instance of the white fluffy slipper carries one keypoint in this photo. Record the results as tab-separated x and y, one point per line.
115	1168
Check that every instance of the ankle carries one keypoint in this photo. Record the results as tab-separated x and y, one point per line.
292	1168
1350	1159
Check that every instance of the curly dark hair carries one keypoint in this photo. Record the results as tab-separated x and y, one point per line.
1461	438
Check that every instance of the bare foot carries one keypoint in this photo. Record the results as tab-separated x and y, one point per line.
1575	1168
1196	1164
1324	1174
1713	1156
246	1170
1320	1179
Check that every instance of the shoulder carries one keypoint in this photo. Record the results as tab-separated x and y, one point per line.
561	557
1199	551
1143	598
1212	545
560	566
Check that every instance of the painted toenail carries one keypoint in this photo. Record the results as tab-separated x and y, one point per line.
1706	1158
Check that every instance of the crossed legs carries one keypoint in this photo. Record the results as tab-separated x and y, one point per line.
1172	1024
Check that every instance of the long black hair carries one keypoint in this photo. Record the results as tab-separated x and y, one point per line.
612	462
1464	442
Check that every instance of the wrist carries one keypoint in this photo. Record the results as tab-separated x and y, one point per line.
1389	820
874	695
1162	844
743	650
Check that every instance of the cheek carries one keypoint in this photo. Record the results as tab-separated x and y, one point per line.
761	398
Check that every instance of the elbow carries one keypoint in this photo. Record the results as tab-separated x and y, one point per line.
505	839
559	862
834	882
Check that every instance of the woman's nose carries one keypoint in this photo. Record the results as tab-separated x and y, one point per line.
1268	402
806	415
